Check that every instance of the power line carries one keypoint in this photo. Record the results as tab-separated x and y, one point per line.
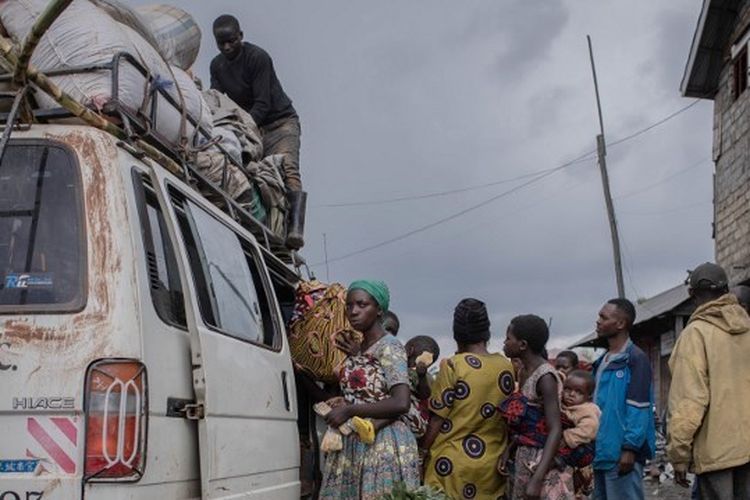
663	180
453	216
654	125
481	204
439	193
466	228
679	208
475	187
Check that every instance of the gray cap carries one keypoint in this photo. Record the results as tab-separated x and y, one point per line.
707	276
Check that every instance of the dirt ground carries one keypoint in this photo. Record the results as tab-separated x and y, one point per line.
666	490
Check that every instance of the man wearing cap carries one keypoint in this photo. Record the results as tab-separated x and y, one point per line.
708	404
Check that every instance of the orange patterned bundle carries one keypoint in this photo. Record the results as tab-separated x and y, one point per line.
320	316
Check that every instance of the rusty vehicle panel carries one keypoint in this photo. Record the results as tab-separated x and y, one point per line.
44	357
206	397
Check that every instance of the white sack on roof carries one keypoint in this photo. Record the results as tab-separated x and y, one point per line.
177	35
84	35
128	16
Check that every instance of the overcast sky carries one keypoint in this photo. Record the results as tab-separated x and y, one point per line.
405	98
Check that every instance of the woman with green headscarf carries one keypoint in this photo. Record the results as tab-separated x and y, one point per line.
375	384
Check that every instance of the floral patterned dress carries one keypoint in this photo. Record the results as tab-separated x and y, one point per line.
362	471
558	484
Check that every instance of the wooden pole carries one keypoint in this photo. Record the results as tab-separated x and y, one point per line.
45	20
84	113
602	154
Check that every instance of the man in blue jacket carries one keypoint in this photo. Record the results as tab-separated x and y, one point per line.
627	433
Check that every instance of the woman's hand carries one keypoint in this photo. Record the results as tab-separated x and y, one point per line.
336	402
502	463
337	416
534	488
345	342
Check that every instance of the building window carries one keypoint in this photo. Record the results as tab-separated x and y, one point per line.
740	73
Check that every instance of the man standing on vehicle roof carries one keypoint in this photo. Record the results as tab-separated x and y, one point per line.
627	431
708	404
245	73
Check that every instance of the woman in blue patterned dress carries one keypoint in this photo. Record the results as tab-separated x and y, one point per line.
375	384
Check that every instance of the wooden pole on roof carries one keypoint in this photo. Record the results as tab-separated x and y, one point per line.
602	153
90	117
43	22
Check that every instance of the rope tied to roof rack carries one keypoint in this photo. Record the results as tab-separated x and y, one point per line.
184	143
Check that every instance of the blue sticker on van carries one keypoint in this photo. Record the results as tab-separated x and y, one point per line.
16	466
28	280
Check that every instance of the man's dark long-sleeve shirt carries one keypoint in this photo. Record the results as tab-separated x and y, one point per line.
250	80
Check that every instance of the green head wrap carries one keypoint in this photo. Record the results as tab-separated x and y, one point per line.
378	290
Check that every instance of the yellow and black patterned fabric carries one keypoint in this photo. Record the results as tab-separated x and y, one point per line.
466	394
320	315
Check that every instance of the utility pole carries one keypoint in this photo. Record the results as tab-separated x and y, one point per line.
601	150
325	252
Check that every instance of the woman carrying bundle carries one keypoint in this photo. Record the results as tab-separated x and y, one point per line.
533	416
374	384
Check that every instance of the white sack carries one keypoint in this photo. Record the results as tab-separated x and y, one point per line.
128	16
84	35
177	35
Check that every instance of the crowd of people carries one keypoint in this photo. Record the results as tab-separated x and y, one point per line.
514	425
492	425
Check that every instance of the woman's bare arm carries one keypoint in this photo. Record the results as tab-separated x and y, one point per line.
391	407
547	387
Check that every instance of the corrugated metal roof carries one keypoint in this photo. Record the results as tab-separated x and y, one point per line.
705	61
645	311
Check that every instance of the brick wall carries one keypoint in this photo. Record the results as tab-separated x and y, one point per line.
731	153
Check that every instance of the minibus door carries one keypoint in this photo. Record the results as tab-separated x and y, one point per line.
242	371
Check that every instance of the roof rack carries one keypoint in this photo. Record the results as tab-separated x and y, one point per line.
135	132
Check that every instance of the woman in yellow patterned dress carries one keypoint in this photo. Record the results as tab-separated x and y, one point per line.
466	435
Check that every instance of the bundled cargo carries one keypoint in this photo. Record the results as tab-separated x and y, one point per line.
259	187
228	114
88	34
170	30
176	33
123	14
319	317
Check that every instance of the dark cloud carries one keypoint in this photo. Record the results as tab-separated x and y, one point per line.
402	98
675	29
520	32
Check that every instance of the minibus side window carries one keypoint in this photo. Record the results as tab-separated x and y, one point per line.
271	336
229	300
42	231
164	277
